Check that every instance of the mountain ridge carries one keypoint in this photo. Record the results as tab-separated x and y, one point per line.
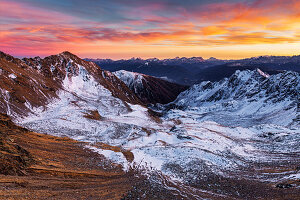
150	89
249	93
188	71
34	82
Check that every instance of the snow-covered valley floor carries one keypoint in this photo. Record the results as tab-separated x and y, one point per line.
183	149
199	156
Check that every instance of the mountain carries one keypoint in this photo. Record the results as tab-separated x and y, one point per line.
188	71
280	63
172	73
269	64
179	70
82	132
217	73
246	97
34	82
150	89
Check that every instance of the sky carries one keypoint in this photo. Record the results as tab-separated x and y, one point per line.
150	28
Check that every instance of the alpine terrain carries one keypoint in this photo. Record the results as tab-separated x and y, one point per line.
126	135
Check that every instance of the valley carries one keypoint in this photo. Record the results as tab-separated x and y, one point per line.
237	138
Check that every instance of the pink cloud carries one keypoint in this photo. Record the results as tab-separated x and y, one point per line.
28	28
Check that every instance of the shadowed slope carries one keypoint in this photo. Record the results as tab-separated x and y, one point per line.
150	89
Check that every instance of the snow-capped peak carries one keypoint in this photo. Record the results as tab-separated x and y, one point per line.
272	99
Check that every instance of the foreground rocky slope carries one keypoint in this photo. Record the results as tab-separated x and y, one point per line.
37	166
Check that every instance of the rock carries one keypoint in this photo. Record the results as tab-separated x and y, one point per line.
284	185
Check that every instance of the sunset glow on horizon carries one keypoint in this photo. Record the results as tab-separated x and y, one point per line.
150	28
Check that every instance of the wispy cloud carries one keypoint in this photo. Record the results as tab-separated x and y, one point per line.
55	25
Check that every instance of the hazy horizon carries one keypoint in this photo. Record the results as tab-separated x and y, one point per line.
145	58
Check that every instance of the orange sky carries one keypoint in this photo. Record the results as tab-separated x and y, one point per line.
163	29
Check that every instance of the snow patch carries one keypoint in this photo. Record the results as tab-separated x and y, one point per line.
12	76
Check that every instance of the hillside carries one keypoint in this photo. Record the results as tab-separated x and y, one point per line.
38	166
31	83
150	89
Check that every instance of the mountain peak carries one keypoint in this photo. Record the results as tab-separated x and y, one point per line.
67	54
6	56
247	92
212	59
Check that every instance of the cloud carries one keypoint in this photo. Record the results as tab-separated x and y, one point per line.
53	24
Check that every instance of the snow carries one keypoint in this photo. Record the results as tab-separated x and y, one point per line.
145	161
133	80
129	77
116	157
294	176
52	68
12	76
263	73
244	99
6	97
220	136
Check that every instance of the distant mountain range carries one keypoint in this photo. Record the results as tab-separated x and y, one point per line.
188	71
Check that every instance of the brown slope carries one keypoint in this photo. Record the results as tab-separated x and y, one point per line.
159	91
150	89
21	84
38	166
54	168
33	82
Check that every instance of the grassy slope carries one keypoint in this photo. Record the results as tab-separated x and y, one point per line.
54	168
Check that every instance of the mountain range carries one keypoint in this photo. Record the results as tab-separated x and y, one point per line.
82	129
188	71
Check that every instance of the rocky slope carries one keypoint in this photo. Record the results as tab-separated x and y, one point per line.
38	166
246	98
150	89
34	82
